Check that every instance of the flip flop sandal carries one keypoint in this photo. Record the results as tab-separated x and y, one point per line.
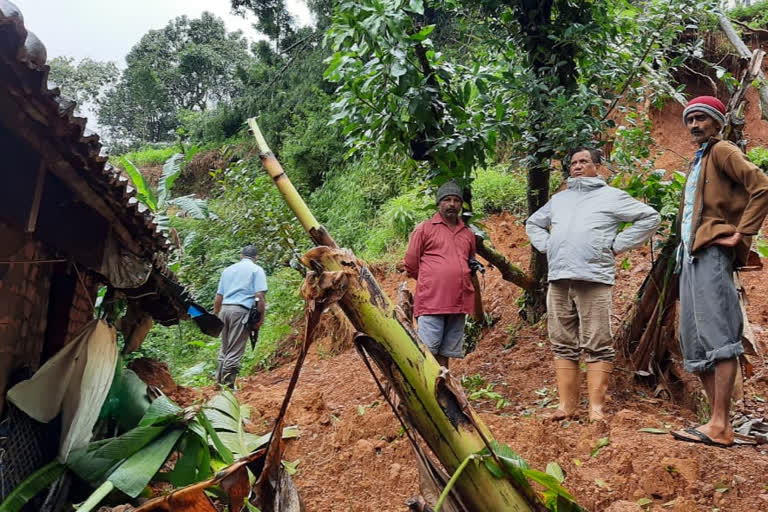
701	438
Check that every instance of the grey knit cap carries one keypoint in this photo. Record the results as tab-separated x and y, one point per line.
250	251
449	188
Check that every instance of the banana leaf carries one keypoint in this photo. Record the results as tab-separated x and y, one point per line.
127	401
171	171
144	192
135	473
161	410
191	206
195	462
226	416
224	452
31	486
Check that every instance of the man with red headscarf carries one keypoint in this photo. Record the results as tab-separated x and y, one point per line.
723	206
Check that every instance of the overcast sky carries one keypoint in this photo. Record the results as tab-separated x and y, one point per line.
107	29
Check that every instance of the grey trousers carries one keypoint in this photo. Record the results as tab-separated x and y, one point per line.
443	334
234	337
711	323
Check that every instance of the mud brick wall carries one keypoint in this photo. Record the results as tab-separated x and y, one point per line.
81	311
24	292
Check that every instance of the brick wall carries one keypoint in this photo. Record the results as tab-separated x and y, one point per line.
24	292
81	311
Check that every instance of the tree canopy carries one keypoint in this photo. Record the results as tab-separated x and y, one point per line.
189	65
85	81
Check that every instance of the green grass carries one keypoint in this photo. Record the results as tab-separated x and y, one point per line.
150	155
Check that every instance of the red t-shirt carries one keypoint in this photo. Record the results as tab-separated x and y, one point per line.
437	258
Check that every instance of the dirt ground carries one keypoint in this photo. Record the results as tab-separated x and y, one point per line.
353	456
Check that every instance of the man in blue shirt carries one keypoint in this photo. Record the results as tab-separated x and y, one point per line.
241	286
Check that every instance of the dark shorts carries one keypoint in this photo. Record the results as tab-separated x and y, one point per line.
710	316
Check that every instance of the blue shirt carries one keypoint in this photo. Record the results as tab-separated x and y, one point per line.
241	281
690	198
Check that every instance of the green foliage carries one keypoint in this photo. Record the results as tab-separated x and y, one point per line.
396	91
499	188
759	157
191	355
150	154
632	144
130	461
32	486
85	81
556	497
755	15
351	198
144	192
187	65
488	394
159	201
394	223
544	89
663	195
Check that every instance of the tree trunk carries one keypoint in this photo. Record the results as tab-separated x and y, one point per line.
433	400
509	272
535	296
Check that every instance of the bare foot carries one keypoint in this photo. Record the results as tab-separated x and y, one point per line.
560	415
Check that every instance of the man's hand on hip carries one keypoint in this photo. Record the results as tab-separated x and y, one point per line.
728	241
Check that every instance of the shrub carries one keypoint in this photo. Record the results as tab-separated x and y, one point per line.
388	235
352	197
498	189
213	125
759	157
756	15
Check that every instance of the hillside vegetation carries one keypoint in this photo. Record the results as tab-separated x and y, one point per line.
368	110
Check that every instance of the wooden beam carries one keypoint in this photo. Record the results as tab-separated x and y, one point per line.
34	210
744	52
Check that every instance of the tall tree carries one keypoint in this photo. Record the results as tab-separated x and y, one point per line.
272	18
190	64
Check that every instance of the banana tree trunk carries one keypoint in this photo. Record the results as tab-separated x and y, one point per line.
431	398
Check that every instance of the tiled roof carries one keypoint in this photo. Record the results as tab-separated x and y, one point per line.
24	69
24	84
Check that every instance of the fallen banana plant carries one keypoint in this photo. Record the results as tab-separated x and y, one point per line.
431	399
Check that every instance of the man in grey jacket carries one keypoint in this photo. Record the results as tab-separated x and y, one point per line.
577	229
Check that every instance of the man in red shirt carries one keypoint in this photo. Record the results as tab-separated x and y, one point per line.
437	257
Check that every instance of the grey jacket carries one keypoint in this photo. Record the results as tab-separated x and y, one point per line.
577	229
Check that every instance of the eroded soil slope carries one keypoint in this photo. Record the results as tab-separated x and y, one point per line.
353	456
